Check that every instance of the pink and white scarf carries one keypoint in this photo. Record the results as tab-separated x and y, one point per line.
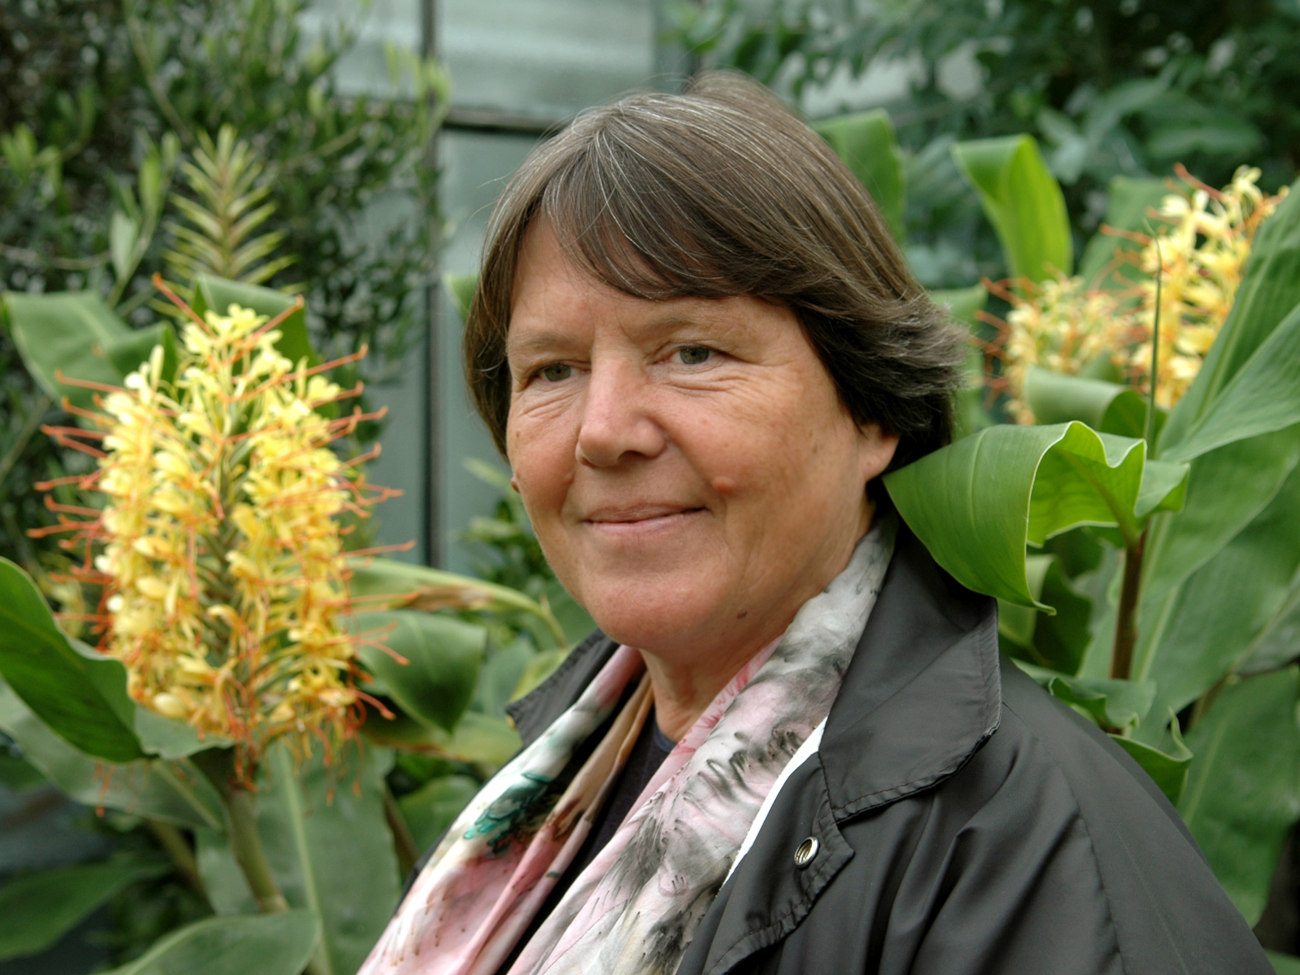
637	904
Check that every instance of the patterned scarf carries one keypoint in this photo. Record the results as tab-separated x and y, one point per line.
637	904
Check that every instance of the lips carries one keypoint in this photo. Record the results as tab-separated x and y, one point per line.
625	514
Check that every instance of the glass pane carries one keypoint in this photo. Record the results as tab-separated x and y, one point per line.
545	58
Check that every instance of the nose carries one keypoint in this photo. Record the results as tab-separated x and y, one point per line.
618	417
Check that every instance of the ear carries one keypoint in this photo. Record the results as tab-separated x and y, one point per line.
875	450
514	483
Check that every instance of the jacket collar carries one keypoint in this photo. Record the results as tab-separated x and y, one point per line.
922	692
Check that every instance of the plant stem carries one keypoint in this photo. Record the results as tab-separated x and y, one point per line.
1121	661
241	829
404	843
174	845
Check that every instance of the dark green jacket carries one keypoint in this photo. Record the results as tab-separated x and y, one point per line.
965	822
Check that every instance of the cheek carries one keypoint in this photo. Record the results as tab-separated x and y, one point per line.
541	466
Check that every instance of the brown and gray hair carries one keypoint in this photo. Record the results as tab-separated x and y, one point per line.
717	192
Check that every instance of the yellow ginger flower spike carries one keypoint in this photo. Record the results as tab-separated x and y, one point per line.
222	554
1199	254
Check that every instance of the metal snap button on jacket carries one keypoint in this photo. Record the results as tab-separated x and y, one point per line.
806	852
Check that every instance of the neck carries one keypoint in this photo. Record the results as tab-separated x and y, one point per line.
681	694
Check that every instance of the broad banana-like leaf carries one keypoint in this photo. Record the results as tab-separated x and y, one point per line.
1283	964
975	504
42	907
440	659
1055	641
1243	795
963	304
1114	704
329	847
1261	396
265	944
1128	207
77	691
170	791
1055	397
1207	626
76	335
1167	764
1227	489
868	146
1023	202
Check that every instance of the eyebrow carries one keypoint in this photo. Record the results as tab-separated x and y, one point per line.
544	338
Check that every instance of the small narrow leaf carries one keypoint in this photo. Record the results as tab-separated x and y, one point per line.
123	233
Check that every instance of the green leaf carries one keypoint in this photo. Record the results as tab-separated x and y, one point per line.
329	847
461	288
1283	964
218	294
442	659
430	809
963	304
1023	202
1208	626
976	503
1128	205
170	791
123	232
1268	293
1167	766
390	584
1243	795
76	335
1227	489
79	693
40	908
1109	407
1261	396
865	141
1119	704
268	944
1057	641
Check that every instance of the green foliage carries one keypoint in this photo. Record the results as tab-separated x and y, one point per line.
142	134
1106	90
1204	554
329	835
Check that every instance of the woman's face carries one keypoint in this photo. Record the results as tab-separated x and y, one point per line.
689	469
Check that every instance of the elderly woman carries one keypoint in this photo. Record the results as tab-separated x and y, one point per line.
792	748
